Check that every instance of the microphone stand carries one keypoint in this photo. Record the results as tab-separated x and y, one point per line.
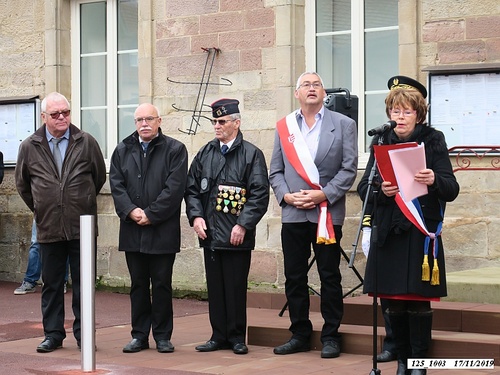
373	186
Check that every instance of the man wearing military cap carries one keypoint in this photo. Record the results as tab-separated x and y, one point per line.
227	195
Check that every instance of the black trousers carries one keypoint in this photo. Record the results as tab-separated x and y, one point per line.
389	343
151	310
227	279
54	257
297	239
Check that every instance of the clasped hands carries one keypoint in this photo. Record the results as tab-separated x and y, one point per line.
425	176
237	233
305	199
138	215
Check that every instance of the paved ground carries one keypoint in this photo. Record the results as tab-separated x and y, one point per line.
21	332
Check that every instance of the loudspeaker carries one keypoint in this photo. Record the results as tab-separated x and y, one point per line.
346	104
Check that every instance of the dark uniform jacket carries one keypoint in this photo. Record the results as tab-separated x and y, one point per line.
400	245
156	184
58	202
210	174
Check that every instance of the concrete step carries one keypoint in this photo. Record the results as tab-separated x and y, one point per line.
460	330
477	285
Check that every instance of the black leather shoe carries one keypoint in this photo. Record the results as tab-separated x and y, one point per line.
292	346
135	346
386	356
212	346
164	346
48	345
331	349
240	348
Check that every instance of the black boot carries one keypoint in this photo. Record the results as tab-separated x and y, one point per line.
402	370
420	336
400	330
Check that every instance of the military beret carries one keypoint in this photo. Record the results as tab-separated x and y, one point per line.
224	107
406	83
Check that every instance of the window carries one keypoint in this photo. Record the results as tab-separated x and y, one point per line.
354	45
105	83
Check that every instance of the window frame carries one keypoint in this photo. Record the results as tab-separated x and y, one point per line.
357	33
111	54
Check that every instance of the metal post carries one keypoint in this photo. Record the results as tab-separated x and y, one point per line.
87	291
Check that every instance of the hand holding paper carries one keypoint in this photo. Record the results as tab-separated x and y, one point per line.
399	164
407	162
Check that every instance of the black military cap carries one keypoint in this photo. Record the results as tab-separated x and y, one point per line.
406	83
224	107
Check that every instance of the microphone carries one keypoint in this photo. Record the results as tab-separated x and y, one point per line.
382	128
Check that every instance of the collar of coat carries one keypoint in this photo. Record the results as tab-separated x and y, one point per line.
215	143
133	139
74	134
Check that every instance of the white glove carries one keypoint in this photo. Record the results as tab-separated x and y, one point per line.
365	240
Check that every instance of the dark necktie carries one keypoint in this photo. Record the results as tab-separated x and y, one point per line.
57	153
224	149
145	146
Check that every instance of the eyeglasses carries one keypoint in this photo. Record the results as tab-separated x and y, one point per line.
149	120
222	122
55	115
407	113
314	85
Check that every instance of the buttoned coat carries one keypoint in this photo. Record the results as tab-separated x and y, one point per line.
154	183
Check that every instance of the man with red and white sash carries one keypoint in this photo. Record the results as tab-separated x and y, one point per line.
313	165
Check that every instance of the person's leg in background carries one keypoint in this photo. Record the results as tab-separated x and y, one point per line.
34	267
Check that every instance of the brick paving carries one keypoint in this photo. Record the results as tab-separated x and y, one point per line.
21	332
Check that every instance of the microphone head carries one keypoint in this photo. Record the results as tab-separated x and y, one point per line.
392	124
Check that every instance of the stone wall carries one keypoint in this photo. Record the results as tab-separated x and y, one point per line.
262	52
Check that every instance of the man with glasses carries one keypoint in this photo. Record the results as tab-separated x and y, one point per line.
59	172
313	165
147	176
227	194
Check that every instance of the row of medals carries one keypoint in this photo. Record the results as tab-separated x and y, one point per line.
230	199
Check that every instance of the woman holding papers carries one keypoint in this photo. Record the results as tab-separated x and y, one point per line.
407	259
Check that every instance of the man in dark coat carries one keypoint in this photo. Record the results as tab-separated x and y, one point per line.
148	178
227	195
59	172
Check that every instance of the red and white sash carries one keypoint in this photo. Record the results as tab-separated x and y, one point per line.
297	153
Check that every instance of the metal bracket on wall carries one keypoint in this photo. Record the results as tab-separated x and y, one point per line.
198	109
464	156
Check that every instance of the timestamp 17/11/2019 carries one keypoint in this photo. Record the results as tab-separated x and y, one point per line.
454	363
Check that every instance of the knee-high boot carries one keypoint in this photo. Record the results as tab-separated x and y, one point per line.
420	336
400	329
